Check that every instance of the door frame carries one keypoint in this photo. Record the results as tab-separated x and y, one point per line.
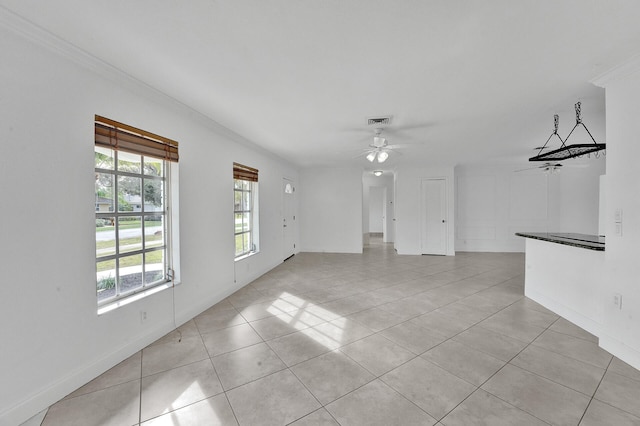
292	227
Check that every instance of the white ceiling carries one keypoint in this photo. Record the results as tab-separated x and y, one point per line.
465	81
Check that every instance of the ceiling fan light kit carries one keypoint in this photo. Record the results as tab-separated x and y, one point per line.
569	151
379	154
379	148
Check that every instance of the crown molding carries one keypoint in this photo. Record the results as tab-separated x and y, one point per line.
61	47
44	38
620	71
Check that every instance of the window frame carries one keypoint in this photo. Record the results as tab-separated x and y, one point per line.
145	206
248	191
246	207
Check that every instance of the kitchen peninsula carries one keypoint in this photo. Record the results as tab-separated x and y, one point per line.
564	274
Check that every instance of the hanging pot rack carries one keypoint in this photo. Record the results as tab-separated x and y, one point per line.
569	151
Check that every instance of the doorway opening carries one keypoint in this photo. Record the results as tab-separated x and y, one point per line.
377	209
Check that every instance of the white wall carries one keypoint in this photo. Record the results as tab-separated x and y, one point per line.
365	209
330	202
580	195
493	202
407	209
566	280
621	327
53	341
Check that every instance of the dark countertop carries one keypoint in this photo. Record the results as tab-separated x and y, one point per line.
591	242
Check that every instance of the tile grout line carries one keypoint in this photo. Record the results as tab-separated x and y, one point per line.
509	363
450	338
373	333
367	278
596	390
140	393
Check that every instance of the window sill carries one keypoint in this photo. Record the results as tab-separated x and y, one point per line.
245	256
134	297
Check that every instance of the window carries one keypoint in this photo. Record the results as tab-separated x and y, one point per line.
132	198
245	209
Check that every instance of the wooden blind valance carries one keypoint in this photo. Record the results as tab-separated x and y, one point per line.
118	136
245	172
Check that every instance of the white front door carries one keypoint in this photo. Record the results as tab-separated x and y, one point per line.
434	216
288	218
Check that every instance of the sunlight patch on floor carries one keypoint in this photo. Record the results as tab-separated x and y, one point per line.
308	315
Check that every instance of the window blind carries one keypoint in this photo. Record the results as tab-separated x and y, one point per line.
114	135
242	172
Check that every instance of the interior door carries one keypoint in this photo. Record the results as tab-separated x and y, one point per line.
288	218
434	216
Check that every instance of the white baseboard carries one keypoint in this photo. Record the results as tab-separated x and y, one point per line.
193	311
346	250
83	374
615	347
626	353
565	312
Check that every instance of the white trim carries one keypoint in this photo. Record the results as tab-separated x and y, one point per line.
166	179
246	256
254	215
54	391
53	43
625	69
174	220
626	353
81	375
565	312
130	299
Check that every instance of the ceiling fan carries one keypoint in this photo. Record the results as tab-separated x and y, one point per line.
379	149
546	167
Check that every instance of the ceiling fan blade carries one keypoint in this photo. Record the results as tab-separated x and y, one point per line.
406	145
362	154
399	128
391	150
545	166
577	166
529	168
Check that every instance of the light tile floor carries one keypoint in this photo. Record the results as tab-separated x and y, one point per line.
371	339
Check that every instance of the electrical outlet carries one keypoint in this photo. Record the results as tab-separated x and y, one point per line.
617	300
143	317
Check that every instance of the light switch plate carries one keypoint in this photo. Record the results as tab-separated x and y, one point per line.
617	300
618	216
619	229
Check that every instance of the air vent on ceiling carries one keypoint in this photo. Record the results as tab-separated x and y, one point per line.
375	121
